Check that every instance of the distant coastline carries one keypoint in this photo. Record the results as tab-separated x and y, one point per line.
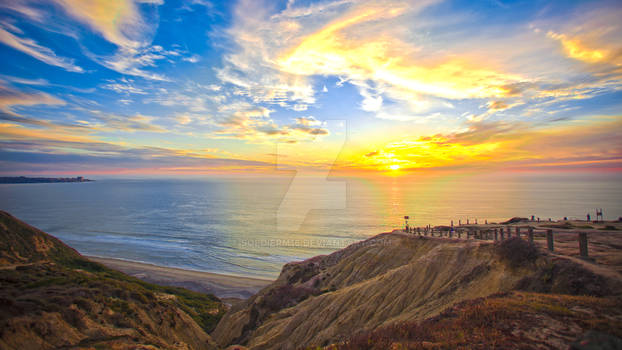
36	180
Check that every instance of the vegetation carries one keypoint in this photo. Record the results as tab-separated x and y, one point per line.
515	220
42	276
502	321
286	296
517	252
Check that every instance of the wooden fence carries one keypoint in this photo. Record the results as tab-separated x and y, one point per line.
499	233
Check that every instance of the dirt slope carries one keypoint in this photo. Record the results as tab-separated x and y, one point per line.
387	279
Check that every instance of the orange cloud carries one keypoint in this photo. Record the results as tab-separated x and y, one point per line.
496	144
576	49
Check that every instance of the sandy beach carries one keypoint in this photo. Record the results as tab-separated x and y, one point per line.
223	286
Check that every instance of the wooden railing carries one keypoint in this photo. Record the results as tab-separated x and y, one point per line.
499	233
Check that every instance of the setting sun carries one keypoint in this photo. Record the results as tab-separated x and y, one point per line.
394	167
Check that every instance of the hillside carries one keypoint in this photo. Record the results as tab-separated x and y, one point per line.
51	297
391	291
395	279
513	320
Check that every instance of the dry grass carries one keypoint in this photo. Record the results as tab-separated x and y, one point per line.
513	320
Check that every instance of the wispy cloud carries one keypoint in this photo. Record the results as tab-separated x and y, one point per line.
10	97
124	86
120	22
37	51
127	123
25	150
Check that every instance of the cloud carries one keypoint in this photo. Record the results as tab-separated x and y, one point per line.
23	81
255	125
371	103
128	24
120	22
10	97
192	59
130	61
492	144
21	8
309	125
391	53
592	35
124	86
132	123
574	48
41	53
26	150
361	42
192	101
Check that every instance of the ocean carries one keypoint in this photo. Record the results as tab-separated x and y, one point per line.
238	226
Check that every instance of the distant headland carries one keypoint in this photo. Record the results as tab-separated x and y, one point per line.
36	180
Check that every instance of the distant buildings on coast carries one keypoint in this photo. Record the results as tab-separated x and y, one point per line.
32	180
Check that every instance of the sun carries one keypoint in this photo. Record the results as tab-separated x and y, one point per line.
394	167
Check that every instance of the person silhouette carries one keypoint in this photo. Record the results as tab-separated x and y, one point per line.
588	217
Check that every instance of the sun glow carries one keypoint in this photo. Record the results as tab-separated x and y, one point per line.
394	167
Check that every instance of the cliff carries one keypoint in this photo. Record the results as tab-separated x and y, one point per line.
393	279
51	297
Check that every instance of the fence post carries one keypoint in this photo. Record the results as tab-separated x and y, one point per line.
517	232
583	244
459	234
549	239
530	234
496	235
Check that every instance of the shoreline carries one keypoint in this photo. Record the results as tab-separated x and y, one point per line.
221	285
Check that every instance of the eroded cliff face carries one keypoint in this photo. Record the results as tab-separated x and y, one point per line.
51	297
392	278
389	278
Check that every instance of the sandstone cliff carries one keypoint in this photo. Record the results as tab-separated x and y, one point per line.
389	279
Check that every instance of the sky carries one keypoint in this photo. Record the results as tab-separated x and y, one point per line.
346	87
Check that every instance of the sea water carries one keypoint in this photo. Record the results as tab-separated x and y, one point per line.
238	225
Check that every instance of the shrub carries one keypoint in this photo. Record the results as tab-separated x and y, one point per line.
515	220
285	296
517	252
